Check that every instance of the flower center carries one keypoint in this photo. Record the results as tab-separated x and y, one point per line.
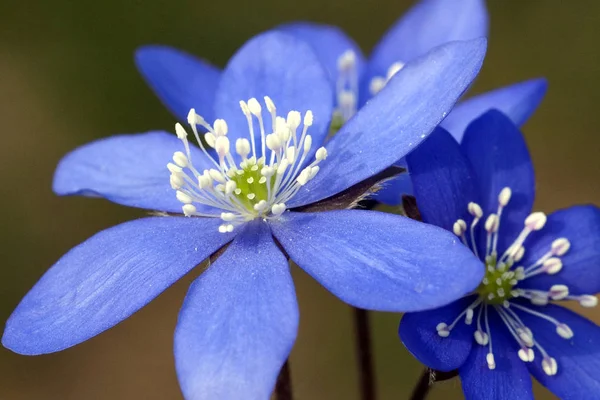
499	289
253	183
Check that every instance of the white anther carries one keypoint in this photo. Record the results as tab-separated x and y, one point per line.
442	329
242	147
174	169
227	216
278	209
394	69
290	154
519	254
294	119
176	181
469	316
261	206
180	131
273	141
244	107
519	273
535	221
347	60
270	105
283	166
588	301
220	127
254	107
313	171
230	187
210	139
377	84
491	223
216	175
526	336
549	366
308	118
558	292
475	210
481	337
223	228
180	159
267	171
321	154
183	197
346	98
560	246
459	227
539	299
552	265
490	361
307	143
222	146
191	117
188	209
526	354
564	331
504	197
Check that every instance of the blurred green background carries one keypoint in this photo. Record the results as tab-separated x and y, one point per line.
67	77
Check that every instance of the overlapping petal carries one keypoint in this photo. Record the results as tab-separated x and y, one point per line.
518	102
418	333
581	264
379	261
106	279
509	380
286	69
578	358
126	169
181	80
238	322
443	180
397	119
500	158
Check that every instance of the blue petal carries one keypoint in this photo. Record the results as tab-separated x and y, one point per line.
417	332
517	102
379	261
396	120
578	358
280	66
180	80
443	180
581	264
126	169
238	322
106	279
430	23
329	43
499	156
510	379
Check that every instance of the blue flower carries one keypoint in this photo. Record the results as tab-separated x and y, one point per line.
483	190
244	199
427	25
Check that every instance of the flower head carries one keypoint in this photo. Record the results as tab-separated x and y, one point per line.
482	190
246	196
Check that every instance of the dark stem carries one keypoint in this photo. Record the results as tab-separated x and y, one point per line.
365	354
428	378
283	387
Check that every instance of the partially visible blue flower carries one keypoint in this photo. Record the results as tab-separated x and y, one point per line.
246	193
483	190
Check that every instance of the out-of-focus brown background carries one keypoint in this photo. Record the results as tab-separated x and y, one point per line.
67	77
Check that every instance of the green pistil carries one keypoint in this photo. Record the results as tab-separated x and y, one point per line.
337	121
498	283
248	181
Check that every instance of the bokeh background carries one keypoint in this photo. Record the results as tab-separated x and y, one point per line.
67	77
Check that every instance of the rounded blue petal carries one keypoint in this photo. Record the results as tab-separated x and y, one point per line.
379	261
238	322
329	43
518	102
581	264
428	24
286	69
418	333
126	169
443	180
509	380
397	120
180	80
578	358
106	279
500	158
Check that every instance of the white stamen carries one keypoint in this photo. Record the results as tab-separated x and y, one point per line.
560	246
549	366
588	301
504	197
564	331
481	337
189	210
490	361
442	329
536	221
526	354
183	197
558	292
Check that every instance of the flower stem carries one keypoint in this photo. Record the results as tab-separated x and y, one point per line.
365	354
283	387
428	378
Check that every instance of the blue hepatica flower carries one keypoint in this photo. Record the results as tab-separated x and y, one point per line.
483	191
427	25
250	195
